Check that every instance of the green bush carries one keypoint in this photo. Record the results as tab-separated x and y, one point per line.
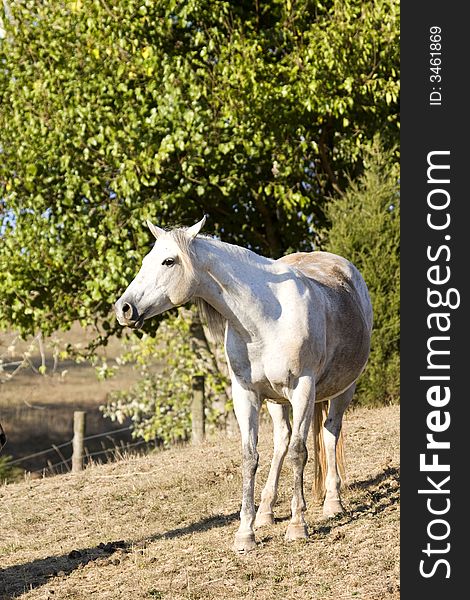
159	404
8	472
365	229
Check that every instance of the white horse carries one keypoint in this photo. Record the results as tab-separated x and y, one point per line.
297	331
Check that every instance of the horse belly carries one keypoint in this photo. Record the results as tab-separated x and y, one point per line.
344	366
264	373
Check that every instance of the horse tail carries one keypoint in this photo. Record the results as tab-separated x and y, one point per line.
320	468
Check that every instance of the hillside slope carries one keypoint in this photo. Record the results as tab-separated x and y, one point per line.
161	526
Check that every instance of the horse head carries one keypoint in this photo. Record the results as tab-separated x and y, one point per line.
166	278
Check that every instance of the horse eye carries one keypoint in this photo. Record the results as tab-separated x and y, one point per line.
168	262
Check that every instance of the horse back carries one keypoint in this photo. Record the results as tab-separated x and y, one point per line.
335	274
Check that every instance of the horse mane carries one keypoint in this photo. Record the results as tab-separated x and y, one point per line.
211	318
184	244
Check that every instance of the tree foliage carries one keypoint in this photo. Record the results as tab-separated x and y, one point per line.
114	112
366	229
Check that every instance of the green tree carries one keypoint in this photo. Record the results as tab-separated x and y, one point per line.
114	112
366	229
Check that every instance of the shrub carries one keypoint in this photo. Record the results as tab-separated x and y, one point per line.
159	404
365	229
9	473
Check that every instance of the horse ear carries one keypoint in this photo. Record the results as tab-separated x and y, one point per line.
195	229
156	231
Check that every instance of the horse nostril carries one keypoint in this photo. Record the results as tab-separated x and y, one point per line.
127	310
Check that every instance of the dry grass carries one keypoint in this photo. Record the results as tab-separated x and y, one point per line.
161	526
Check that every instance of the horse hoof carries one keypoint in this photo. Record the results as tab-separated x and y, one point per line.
332	508
244	542
296	532
264	519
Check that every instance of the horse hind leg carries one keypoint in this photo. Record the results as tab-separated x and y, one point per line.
281	436
331	431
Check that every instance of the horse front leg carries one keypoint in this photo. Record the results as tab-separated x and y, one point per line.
303	401
281	436
246	405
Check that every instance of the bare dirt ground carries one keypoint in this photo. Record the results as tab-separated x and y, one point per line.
161	526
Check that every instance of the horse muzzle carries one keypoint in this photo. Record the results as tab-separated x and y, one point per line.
128	315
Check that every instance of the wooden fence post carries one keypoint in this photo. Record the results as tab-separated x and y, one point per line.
79	423
198	406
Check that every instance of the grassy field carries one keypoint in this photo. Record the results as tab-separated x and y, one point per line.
161	526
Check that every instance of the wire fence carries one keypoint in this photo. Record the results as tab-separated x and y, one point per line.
54	447
115	451
80	453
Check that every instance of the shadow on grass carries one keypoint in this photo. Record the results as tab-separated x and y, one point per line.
20	579
368	496
202	525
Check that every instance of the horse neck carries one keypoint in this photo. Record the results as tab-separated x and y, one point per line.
231	280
